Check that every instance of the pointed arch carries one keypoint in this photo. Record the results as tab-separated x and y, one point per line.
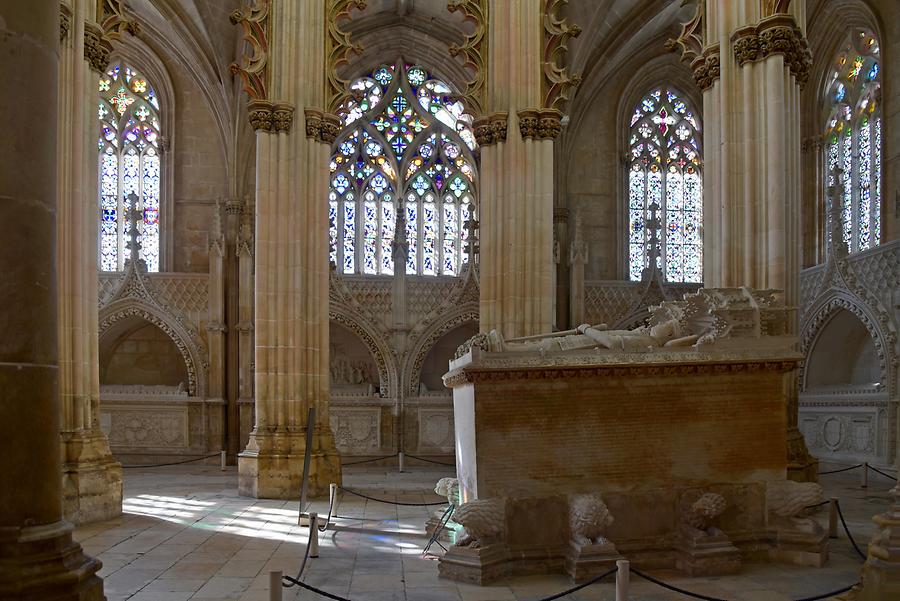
407	151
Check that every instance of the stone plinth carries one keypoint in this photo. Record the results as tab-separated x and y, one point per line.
92	479
649	431
271	467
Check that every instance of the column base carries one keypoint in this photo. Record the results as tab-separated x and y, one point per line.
43	563
271	467
92	479
881	572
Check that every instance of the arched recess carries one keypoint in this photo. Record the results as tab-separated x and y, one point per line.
842	355
373	341
352	365
136	53
821	314
187	342
135	351
435	331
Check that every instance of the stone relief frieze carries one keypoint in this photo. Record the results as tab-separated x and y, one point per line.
357	430
146	426
436	431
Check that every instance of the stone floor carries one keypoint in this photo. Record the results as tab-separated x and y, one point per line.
186	534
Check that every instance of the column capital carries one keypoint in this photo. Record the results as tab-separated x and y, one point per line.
65	21
491	129
270	116
282	116
539	124
96	47
777	34
321	126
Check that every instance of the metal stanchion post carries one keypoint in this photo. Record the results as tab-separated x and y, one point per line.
622	577
865	476
313	534
275	585
400	460
332	499
223	460
832	518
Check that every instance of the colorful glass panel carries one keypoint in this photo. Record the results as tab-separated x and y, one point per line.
665	169
404	138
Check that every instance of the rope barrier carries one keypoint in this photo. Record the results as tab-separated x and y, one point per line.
437	531
878	471
369	460
675	588
845	469
825	502
318	591
826	595
847	530
431	461
593	580
295	581
127	467
353	492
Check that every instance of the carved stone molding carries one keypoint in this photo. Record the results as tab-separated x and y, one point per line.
474	51
468	375
435	332
539	124
113	22
65	21
260	114
706	68
282	117
691	38
330	128
254	21
777	34
313	119
337	49
558	80
96	47
491	129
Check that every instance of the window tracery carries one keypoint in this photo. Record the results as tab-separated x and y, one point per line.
853	138
130	162
664	176
406	151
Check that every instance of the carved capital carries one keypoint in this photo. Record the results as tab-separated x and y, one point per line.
706	68
313	119
282	117
330	128
774	35
65	22
491	128
96	47
746	45
260	114
540	124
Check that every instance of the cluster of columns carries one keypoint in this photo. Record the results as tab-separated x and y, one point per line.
92	479
38	558
291	258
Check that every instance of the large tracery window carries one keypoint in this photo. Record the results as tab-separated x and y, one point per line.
664	174
129	164
406	146
853	138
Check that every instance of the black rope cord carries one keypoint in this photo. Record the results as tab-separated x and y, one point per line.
826	595
844	469
675	588
580	586
431	461
353	492
295	581
127	467
369	460
878	471
318	591
847	530
826	502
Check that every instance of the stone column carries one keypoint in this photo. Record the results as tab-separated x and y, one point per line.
216	329
244	252
752	180
92	479
516	209
291	261
38	558
578	257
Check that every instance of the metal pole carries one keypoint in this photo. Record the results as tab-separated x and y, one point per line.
275	585
400	460
832	518
865	476
313	534
223	460
622	578
310	424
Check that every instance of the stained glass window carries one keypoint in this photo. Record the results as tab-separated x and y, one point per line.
129	150
664	173
406	148
853	138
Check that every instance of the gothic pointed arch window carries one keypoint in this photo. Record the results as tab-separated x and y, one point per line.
664	180
406	151
130	162
853	138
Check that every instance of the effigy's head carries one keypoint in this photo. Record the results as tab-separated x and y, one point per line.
665	330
